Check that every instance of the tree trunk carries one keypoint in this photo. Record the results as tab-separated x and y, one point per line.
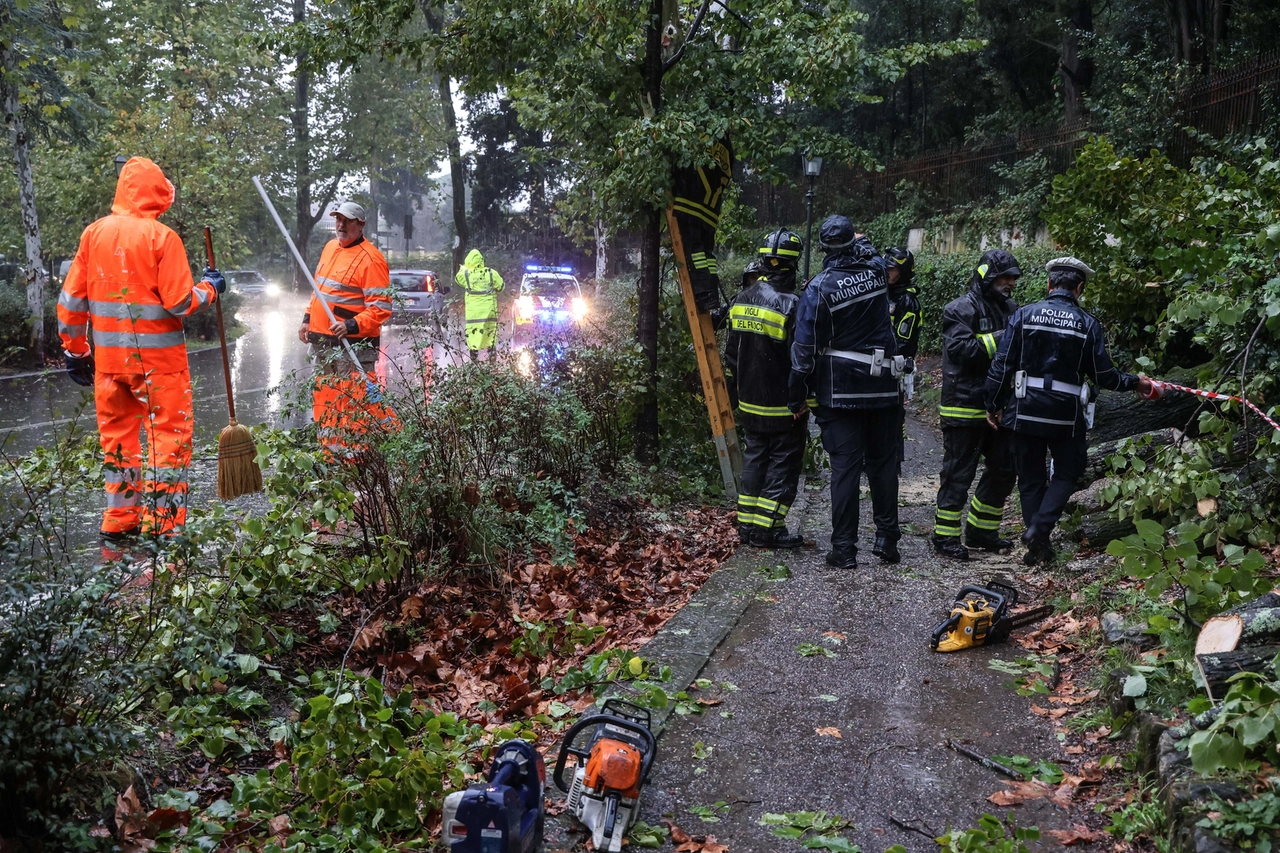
1096	468
1099	528
602	251
1217	667
648	291
1122	414
34	272
457	174
1077	71
300	119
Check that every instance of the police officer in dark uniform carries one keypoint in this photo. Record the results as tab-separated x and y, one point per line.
972	327
1038	381
845	356
904	311
762	322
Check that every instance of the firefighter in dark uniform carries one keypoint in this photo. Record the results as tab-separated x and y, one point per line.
845	357
762	322
972	327
904	311
1038	380
698	194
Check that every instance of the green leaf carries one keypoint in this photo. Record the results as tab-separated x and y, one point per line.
1135	685
831	842
1152	532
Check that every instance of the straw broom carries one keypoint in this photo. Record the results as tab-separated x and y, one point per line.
238	471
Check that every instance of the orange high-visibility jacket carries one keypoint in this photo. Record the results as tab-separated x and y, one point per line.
131	283
356	284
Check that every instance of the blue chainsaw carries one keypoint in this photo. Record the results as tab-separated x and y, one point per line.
505	814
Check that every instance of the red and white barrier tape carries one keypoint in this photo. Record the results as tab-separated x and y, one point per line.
1160	385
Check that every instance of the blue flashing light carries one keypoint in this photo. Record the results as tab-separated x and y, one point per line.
542	268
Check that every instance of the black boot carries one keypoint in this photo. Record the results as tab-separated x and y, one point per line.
886	549
744	534
1038	551
949	546
782	539
842	559
986	540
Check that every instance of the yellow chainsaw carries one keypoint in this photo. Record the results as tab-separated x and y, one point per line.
981	615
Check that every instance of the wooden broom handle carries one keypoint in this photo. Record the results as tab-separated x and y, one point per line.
222	332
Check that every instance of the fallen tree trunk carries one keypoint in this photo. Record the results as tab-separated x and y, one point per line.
1243	639
1218	667
1121	414
1098	529
1096	468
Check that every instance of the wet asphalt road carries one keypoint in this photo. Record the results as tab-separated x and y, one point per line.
892	701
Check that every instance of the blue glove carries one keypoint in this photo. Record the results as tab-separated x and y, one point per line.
80	368
215	278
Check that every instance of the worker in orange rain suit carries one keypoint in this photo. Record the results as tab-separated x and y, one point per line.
130	285
354	279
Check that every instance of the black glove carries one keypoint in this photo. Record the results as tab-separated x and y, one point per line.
720	317
215	278
352	326
80	368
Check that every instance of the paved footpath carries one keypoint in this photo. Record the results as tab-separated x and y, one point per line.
892	700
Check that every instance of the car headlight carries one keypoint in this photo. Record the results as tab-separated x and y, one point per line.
579	308
525	306
273	289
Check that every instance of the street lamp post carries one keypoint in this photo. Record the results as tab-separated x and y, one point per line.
812	168
120	161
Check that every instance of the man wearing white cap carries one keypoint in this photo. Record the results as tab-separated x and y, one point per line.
1038	380
353	276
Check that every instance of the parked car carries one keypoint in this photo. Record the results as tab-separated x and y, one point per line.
417	293
550	297
251	283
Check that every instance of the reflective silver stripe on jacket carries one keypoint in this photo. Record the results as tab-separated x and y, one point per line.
1029	326
466	273
337	285
200	294
1053	421
128	310
79	330
139	340
863	298
73	303
893	394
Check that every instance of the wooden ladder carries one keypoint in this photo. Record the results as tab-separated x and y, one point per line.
714	387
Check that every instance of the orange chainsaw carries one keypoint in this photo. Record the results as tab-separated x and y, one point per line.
613	751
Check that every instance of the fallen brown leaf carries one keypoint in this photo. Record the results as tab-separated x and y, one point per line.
1078	834
411	607
280	827
829	731
835	635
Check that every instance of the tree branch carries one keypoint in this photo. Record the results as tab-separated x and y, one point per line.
326	197
693	33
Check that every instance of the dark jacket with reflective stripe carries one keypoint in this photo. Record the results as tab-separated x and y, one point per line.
904	308
972	327
845	310
762	327
1055	341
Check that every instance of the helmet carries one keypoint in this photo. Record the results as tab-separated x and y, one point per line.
904	260
836	232
781	250
753	271
993	264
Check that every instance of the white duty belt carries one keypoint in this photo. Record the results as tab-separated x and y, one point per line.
874	359
1021	382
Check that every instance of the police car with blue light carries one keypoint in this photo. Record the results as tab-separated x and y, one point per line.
551	298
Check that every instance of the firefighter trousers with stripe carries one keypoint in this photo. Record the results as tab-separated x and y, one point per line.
771	464
962	448
150	496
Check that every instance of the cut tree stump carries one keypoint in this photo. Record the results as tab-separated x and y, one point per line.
1218	667
1243	639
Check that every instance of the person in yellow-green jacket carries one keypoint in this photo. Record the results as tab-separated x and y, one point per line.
481	286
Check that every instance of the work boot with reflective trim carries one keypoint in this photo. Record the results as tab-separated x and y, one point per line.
950	546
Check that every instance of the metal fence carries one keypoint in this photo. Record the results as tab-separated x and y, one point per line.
1234	101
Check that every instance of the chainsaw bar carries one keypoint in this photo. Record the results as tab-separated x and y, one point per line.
1026	617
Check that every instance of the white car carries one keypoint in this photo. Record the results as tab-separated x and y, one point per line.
251	283
550	297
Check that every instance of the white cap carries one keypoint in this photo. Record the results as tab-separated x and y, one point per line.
1069	263
350	210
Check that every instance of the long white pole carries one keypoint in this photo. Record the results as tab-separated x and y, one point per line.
302	265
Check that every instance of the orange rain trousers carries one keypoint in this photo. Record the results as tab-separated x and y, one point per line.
341	407
150	496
